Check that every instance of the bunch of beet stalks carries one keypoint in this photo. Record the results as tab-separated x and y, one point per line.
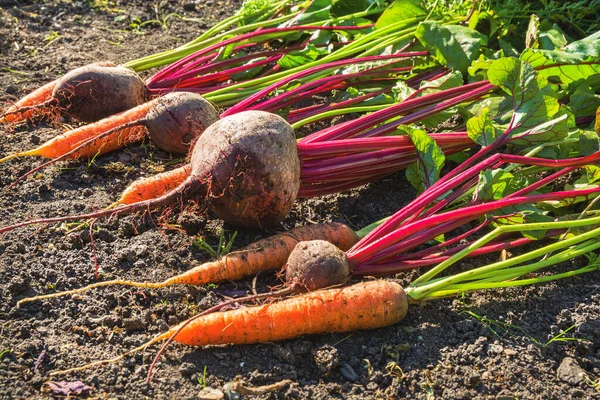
231	160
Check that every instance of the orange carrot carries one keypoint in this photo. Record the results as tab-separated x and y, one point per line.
63	144
266	254
155	186
365	305
35	98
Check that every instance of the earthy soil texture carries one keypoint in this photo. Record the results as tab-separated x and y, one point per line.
486	345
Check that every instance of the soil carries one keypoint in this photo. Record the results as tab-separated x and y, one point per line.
489	345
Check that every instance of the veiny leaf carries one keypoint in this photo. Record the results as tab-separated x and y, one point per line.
399	11
588	142
426	171
300	57
576	61
454	46
492	184
535	113
481	129
585	101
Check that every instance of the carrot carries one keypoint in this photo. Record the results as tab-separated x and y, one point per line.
266	254
62	144
154	186
25	107
365	305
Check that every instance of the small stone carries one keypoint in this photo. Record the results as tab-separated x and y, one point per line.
495	349
570	372
189	6
348	372
209	393
510	352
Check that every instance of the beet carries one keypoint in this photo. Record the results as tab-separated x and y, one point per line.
178	119
252	162
317	264
92	92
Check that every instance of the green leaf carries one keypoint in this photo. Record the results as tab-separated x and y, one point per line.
478	68
522	214
454	46
399	11
489	16
586	47
592	173
248	73
551	37
344	7
584	101
535	112
426	171
252	10
300	57
453	79
481	129
402	91
317	10
536	217
588	143
492	184
576	61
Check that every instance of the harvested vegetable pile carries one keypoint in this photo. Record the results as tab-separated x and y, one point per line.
523	342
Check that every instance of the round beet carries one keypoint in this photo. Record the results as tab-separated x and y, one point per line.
251	163
92	92
316	264
177	119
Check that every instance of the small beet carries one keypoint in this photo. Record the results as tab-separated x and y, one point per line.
92	92
317	264
178	119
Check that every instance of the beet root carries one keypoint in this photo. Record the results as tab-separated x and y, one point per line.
252	163
316	264
93	92
178	119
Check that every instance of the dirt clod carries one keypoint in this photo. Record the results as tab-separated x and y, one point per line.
327	359
569	371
